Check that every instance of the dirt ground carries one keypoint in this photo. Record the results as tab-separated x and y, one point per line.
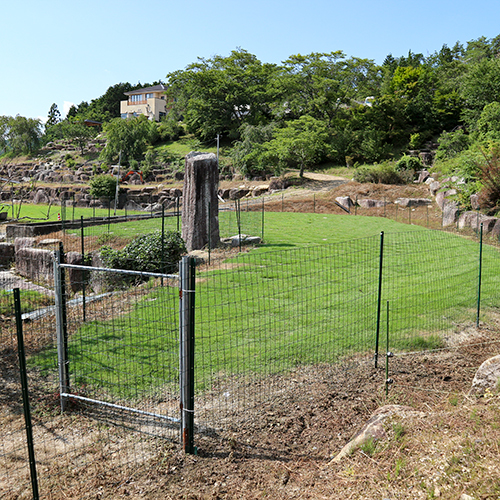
283	448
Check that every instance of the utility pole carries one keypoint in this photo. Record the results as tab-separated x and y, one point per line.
217	149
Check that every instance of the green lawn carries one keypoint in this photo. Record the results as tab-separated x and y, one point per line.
309	295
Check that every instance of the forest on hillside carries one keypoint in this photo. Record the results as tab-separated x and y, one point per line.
307	110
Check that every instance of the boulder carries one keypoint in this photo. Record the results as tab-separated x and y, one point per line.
441	197
41	197
495	232
373	429
234	241
487	377
474	201
345	201
367	203
423	175
413	202
7	254
434	187
451	213
76	276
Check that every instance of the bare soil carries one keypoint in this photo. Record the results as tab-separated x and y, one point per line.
282	449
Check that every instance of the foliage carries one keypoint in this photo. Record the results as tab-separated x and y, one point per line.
451	144
409	163
73	130
130	137
148	253
20	135
218	95
489	196
53	117
103	186
302	143
384	173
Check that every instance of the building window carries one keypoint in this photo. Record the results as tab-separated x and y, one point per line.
136	98
149	96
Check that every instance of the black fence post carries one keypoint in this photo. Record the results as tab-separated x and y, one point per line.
480	274
186	346
84	274
61	328
25	393
379	300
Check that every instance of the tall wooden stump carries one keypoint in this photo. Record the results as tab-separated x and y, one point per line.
200	206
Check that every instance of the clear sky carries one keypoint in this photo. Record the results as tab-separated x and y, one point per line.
71	51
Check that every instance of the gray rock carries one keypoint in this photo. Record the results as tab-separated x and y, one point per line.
367	203
487	377
345	201
413	202
234	241
451	213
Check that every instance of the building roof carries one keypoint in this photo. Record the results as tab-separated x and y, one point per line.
147	90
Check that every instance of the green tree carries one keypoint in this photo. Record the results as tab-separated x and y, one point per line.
53	117
302	143
217	95
130	137
23	134
480	86
322	84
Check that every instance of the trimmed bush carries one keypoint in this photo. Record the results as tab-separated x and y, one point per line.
147	253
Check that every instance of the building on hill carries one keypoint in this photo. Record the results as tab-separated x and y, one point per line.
149	101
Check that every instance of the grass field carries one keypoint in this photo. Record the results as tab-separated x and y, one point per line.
309	295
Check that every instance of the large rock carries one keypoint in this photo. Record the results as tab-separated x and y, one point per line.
367	203
200	207
442	196
41	197
451	212
487	377
373	429
7	254
413	202
35	264
345	202
76	276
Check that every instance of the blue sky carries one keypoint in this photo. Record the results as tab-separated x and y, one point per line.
71	51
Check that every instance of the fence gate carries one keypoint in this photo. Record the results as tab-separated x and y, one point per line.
118	346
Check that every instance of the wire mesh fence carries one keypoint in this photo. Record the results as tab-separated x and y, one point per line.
260	317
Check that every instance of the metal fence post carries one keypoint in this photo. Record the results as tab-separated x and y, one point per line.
379	300
186	351
61	330
25	393
84	274
480	274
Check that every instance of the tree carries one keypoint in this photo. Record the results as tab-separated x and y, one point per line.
130	137
23	134
217	95
302	142
480	86
322	84
53	117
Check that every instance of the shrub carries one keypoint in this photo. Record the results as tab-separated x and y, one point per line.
147	253
103	186
384	173
407	163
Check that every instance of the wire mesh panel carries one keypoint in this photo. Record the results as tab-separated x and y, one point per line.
430	281
265	313
123	356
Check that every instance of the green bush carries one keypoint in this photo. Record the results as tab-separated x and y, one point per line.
384	173
103	186
147	253
407	163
